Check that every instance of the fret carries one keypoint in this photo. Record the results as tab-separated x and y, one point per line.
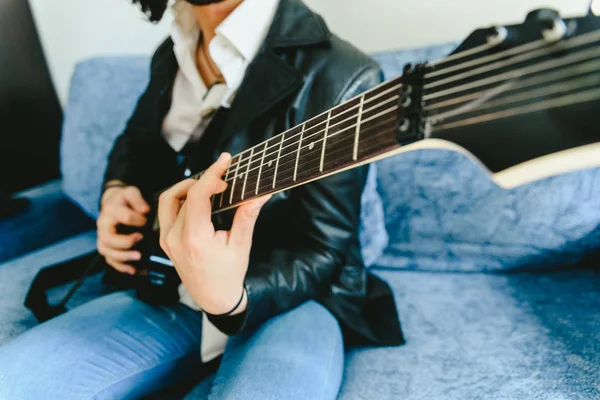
235	176
262	161
225	179
357	134
324	141
265	183
252	171
298	151
277	162
340	137
287	158
310	151
247	172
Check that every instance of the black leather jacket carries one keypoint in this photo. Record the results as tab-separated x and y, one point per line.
306	241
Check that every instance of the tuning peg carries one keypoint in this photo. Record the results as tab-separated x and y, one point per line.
552	26
496	35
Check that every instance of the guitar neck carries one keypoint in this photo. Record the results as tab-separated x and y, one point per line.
344	137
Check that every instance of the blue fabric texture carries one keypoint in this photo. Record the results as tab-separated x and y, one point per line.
118	347
96	115
518	336
442	211
50	218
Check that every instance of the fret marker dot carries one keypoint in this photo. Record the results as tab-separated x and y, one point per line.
311	145
270	162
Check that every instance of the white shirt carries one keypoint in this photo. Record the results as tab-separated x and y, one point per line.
237	41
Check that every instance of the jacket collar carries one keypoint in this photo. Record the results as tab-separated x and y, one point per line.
269	78
295	25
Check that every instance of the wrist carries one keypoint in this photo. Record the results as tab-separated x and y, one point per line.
227	307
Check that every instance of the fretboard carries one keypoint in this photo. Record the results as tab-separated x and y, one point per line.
346	136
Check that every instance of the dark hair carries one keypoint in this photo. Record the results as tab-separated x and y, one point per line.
154	9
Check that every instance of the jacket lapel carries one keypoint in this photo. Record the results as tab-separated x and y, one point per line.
270	78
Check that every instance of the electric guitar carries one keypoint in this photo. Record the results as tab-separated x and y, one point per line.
523	101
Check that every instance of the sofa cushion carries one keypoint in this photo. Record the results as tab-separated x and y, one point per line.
443	212
16	277
50	217
486	336
96	115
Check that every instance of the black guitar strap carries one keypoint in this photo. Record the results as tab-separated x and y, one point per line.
58	275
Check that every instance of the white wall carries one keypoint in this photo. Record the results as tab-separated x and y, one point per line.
75	29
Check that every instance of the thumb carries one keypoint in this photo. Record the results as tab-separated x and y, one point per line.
244	221
133	197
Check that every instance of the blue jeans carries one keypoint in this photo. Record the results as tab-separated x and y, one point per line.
117	347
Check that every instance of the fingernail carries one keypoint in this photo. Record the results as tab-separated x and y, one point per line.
137	256
259	203
139	237
224	156
264	200
131	272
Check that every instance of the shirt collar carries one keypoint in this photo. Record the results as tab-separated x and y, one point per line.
245	28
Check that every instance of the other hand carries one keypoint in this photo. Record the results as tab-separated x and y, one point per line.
121	206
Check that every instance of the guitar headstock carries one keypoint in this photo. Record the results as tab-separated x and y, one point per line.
531	88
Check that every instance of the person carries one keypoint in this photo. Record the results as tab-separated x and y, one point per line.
283	279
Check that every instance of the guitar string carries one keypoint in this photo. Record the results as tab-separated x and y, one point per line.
558	47
572	44
582	56
319	132
294	144
567	72
581	97
315	142
582	39
268	185
335	150
541	106
462	54
396	85
482	60
289	168
566	86
537	45
276	145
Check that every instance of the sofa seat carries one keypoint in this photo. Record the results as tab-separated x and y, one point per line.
521	335
50	217
512	335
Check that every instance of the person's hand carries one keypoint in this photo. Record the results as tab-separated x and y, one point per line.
121	206
212	264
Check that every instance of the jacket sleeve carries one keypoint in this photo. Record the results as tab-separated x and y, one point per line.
325	223
135	148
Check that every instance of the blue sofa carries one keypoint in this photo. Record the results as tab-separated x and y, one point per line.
498	291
